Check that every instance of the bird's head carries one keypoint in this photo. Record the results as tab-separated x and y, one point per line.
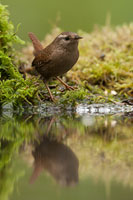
67	39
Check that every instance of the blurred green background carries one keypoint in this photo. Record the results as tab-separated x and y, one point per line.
39	15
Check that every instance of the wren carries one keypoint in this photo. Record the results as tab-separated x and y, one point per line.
57	58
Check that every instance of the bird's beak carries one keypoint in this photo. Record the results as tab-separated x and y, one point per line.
77	37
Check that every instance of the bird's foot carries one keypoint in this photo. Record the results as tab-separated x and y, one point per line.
53	99
65	84
68	87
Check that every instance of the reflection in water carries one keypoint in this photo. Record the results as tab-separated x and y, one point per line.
58	160
54	157
98	141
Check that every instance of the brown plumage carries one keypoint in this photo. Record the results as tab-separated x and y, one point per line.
57	58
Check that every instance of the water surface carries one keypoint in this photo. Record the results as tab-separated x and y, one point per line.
82	153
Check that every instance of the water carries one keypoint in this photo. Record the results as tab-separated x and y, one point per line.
54	153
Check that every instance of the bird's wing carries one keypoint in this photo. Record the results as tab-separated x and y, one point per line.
41	60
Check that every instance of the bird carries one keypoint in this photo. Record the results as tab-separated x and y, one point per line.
57	58
51	155
57	159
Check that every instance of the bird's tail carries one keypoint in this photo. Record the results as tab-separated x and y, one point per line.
36	43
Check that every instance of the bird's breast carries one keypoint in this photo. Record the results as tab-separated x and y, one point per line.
60	63
65	61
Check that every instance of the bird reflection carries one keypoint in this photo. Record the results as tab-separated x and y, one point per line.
57	159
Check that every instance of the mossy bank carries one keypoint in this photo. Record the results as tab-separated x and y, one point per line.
103	73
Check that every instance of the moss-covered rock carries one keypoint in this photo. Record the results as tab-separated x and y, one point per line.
103	73
105	66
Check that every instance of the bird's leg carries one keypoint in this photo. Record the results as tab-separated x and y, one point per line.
50	125
66	86
51	96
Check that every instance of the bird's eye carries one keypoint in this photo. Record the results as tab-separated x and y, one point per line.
67	38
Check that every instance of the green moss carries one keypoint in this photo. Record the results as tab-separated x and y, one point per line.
73	97
106	59
105	65
13	88
104	71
